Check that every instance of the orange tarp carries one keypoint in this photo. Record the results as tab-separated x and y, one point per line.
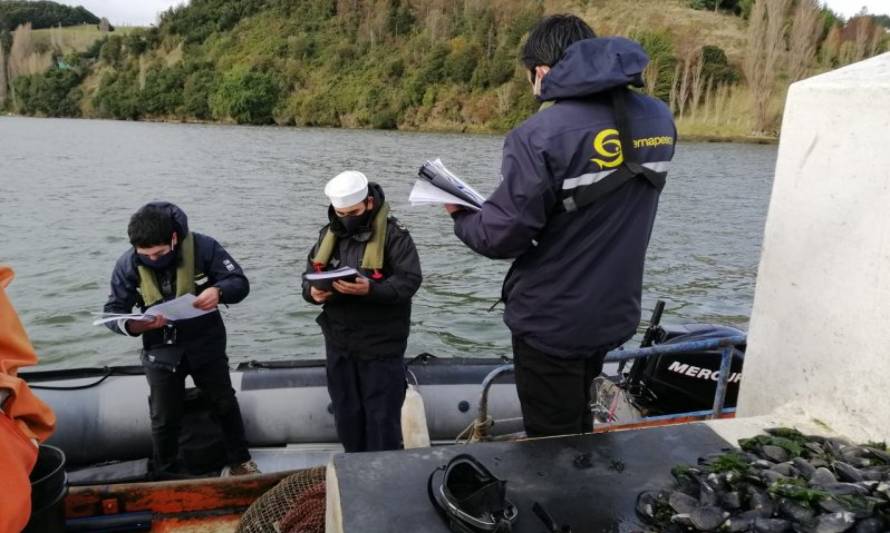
24	418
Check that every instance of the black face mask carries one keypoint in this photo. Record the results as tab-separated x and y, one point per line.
161	263
353	223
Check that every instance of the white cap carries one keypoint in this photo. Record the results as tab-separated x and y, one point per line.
347	189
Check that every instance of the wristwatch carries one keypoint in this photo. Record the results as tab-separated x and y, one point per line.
219	289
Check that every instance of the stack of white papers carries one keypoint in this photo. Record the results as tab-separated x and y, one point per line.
325	280
425	193
438	185
181	308
113	317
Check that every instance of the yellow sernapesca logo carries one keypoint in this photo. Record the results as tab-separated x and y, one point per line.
607	146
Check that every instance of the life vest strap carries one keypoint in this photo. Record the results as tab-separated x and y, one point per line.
149	287
373	255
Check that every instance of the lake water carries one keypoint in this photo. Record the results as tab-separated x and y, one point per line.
68	188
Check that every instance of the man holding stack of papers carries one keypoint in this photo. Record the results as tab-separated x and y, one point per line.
178	278
363	271
575	209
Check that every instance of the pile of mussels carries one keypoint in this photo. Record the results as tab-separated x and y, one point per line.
778	482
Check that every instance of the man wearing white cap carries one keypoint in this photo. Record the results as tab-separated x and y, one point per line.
365	322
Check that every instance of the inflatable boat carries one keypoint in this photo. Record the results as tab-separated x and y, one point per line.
103	416
104	432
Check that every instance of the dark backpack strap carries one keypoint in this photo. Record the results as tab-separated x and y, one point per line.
625	137
619	109
629	169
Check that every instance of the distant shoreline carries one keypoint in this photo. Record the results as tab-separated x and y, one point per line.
737	139
699	138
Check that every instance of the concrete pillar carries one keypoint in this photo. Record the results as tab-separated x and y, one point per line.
820	328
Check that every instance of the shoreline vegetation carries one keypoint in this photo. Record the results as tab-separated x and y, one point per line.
695	138
723	66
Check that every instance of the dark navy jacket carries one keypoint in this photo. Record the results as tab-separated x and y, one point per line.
205	335
574	288
375	325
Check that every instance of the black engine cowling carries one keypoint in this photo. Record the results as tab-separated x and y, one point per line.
684	382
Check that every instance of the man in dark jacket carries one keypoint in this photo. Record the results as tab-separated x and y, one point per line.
576	212
365	322
165	262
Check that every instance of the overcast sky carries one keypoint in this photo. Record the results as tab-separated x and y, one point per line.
145	12
126	12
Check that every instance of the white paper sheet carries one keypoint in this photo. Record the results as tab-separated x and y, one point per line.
342	272
181	308
425	193
325	280
114	317
438	174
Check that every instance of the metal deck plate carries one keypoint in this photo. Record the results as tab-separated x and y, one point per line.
386	491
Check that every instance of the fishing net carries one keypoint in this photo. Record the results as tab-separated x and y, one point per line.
295	505
307	513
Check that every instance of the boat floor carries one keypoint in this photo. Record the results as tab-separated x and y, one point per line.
209	504
216	504
205	504
190	505
590	482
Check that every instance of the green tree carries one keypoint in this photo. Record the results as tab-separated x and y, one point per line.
93	51
400	19
660	49
140	40
55	93
462	60
119	96
246	96
716	66
42	14
200	19
197	90
731	6
163	90
112	50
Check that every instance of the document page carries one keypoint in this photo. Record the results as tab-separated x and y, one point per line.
437	184
181	308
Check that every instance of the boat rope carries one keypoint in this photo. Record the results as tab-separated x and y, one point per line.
477	431
108	373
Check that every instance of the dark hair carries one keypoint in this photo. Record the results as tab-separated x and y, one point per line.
550	37
150	226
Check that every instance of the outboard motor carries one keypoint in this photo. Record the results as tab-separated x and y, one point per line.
683	382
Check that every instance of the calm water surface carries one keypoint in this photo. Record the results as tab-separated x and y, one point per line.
68	187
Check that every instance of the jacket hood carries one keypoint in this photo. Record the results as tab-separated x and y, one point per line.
364	234
595	65
180	220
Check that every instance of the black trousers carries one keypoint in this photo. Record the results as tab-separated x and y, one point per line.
166	407
367	397
554	392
